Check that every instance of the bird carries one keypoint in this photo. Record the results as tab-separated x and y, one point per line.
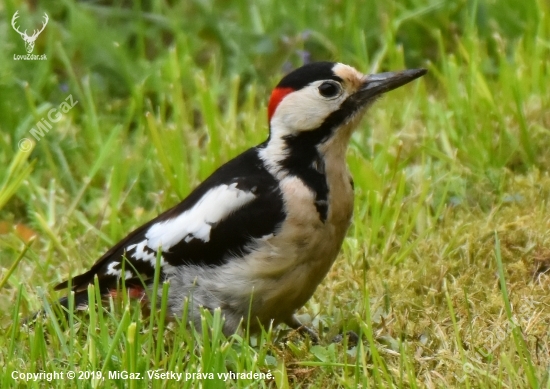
257	237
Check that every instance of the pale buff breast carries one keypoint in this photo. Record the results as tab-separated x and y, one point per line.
305	249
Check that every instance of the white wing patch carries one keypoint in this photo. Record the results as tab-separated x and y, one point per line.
144	255
197	222
118	272
111	269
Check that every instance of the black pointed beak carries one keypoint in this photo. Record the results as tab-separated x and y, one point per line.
377	84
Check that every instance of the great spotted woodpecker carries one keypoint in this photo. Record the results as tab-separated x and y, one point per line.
259	235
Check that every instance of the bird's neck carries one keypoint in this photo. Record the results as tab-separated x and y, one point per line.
291	154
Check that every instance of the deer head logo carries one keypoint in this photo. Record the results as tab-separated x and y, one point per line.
29	40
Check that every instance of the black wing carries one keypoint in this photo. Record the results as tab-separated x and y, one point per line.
239	202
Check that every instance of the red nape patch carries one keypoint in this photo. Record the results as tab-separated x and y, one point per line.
133	293
276	96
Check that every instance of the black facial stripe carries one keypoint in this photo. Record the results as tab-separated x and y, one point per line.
307	74
303	154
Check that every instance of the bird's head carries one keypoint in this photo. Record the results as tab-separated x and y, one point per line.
313	103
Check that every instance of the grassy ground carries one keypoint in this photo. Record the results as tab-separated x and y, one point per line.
443	272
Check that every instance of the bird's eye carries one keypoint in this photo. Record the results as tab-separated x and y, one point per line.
329	89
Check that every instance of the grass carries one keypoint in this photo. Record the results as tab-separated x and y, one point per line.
443	272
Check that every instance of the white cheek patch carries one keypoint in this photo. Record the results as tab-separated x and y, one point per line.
298	111
197	222
304	110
